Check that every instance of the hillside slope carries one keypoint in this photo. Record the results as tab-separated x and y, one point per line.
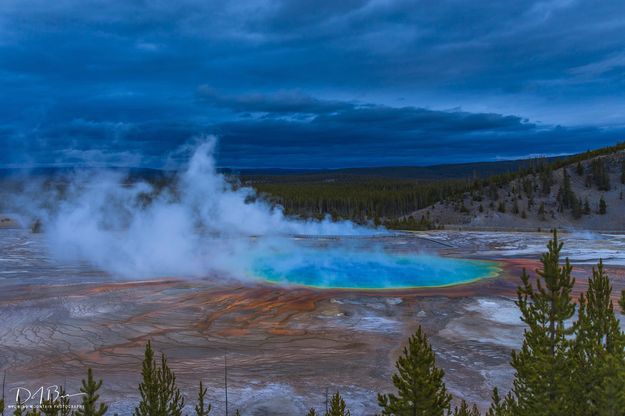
568	196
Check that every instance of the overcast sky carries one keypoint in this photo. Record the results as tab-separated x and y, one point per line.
308	84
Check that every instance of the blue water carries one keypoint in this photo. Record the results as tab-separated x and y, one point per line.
369	270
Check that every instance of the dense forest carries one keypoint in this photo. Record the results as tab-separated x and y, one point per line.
374	200
571	363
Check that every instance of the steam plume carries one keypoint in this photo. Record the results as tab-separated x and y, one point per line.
200	226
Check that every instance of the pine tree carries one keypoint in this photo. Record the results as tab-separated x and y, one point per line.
337	406
159	394
201	409
515	207
465	410
603	208
499	407
90	406
566	196
148	389
49	407
420	387
542	364
579	169
586	207
623	172
600	174
577	208
311	412
598	383
19	407
65	408
541	211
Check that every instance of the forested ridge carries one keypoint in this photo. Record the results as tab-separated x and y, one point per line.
394	202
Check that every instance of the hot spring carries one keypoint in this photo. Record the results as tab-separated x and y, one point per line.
361	269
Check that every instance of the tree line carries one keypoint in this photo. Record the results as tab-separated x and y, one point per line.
571	362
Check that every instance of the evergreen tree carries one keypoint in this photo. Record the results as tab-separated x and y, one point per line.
542	364
566	196
465	410
623	172
541	211
201	409
49	407
159	394
499	407
586	207
311	412
148	389
598	383
90	406
577	208
603	208
600	174
579	169
19	407
65	408
546	179
337	406
420	387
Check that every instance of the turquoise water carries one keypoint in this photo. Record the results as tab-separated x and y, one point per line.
369	270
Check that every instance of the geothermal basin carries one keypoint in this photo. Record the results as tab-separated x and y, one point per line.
333	314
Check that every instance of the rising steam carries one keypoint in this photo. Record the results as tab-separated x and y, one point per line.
202	225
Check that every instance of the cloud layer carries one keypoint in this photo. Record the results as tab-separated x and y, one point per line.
319	83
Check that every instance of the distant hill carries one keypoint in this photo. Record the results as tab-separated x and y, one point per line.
585	191
425	173
51	172
433	172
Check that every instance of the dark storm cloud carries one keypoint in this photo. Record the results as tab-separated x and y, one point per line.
374	135
283	79
283	102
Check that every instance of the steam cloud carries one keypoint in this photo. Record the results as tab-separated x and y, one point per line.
201	226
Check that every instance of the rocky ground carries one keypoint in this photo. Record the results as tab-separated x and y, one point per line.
480	210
